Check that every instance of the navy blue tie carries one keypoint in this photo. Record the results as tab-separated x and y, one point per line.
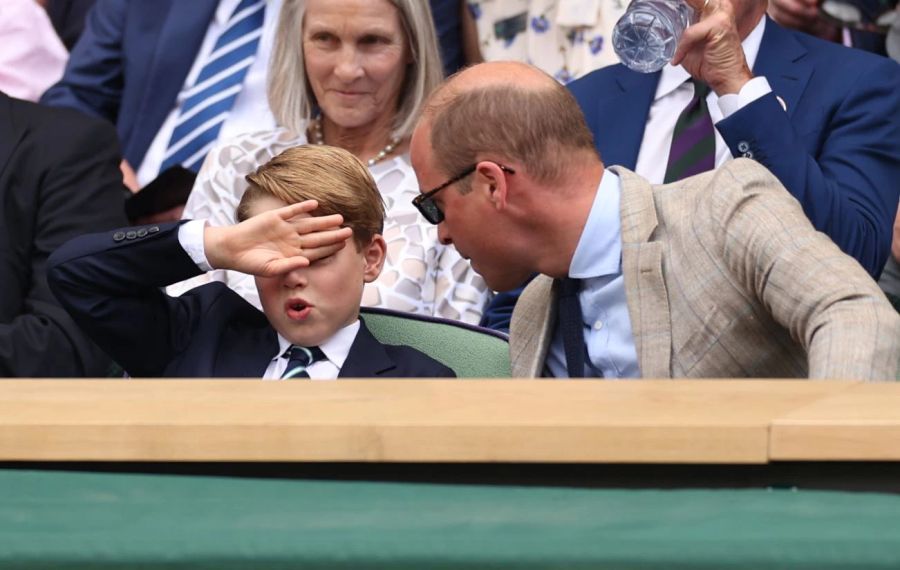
208	102
299	359
571	323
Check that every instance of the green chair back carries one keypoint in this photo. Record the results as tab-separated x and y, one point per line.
472	352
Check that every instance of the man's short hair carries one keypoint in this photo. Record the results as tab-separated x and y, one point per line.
542	128
332	176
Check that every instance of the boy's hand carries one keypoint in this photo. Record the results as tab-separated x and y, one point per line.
276	241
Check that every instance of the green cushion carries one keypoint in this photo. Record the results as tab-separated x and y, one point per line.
72	520
471	352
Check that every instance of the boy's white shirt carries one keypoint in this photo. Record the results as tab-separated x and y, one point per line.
336	348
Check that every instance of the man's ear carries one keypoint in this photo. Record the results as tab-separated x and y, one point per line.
491	176
374	254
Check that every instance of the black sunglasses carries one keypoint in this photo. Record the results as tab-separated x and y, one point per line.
425	202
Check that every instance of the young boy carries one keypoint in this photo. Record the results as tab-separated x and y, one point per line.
295	221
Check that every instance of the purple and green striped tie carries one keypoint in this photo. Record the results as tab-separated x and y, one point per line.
693	147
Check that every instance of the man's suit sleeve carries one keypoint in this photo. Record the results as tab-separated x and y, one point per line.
68	18
822	296
849	187
94	78
79	188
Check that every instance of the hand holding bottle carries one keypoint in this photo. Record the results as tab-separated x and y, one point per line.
646	35
711	51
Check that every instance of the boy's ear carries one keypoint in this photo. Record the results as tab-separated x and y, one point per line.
374	255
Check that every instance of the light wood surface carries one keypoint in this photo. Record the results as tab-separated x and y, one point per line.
862	423
400	420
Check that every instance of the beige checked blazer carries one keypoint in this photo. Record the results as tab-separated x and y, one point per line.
725	277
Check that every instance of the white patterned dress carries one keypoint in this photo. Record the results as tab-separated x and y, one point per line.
420	274
536	32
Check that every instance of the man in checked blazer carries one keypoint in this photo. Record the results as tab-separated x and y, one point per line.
718	275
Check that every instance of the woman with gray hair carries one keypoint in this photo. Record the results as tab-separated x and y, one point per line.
357	79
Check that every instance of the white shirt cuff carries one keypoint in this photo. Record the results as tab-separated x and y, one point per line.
190	236
750	92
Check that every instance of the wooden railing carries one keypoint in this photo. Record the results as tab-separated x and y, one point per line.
712	421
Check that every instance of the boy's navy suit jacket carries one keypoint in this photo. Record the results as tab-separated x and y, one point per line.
111	284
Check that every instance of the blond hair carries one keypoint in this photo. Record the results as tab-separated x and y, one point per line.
332	176
291	97
542	128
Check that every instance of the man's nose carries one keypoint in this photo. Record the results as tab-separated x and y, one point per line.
444	234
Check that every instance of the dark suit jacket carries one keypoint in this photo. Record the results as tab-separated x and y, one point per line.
446	15
68	18
130	63
110	283
836	149
59	177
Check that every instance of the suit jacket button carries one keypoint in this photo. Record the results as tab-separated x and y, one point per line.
743	146
141	232
153	230
748	154
118	236
131	234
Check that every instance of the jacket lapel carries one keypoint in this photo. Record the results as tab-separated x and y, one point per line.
645	287
781	61
628	105
367	357
246	355
182	27
10	131
532	326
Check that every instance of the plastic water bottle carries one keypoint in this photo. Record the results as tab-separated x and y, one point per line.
645	37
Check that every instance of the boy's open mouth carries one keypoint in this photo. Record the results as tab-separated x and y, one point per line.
297	309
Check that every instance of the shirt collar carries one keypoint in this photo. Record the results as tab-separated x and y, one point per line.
599	249
336	348
673	77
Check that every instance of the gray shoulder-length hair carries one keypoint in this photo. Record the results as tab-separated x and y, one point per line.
290	95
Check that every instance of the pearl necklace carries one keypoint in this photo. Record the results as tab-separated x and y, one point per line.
319	139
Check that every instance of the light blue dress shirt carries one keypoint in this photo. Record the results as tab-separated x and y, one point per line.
598	263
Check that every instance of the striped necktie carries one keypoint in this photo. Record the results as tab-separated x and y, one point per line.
299	359
207	103
693	147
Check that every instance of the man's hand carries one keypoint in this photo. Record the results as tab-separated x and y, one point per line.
710	50
276	241
129	178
